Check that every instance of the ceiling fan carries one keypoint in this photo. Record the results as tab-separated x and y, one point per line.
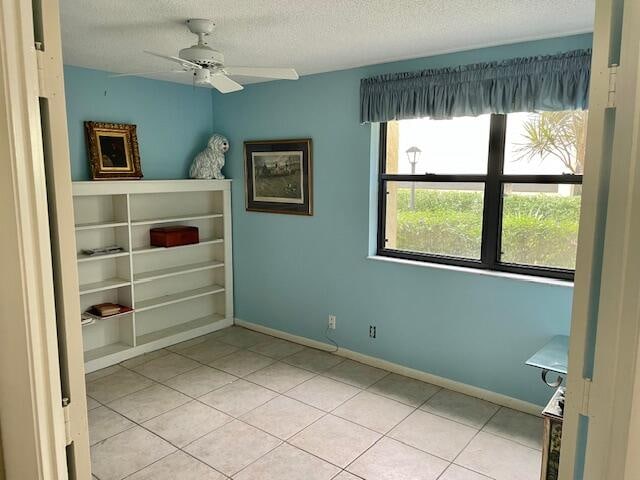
207	65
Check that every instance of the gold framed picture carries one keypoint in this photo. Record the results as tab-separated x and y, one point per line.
278	176
113	151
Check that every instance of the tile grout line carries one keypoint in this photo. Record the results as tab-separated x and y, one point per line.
111	436
197	399
316	374
317	456
284	393
260	457
286	441
136	423
238	418
156	382
361	454
325	414
177	448
152	463
418	408
504	437
385	435
159	460
471	440
276	360
176	408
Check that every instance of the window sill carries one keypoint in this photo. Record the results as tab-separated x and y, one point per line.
476	271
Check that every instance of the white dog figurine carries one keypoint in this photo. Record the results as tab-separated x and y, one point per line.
209	162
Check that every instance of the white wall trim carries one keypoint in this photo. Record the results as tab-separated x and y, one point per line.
475	271
460	387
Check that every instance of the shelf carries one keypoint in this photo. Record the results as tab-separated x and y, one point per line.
157	249
143	277
150	221
87	258
97	225
104	351
176	329
103	285
122	213
143	305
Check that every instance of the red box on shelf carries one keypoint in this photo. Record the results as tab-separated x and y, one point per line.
174	236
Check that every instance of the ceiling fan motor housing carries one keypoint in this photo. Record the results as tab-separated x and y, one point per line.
204	56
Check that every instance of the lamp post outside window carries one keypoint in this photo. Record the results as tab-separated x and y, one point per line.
413	155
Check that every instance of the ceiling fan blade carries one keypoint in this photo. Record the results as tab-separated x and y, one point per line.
265	72
224	84
185	63
115	75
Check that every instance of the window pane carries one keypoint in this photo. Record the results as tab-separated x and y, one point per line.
540	224
435	218
545	143
460	145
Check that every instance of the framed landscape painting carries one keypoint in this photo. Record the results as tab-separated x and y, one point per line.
278	176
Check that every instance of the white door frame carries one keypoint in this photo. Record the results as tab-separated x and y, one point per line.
617	338
592	221
41	439
55	138
31	415
606	308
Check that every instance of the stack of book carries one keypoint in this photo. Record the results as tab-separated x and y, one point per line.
106	309
103	310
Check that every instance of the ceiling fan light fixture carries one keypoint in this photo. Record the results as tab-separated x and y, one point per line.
202	76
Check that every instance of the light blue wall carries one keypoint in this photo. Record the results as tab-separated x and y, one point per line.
291	272
174	121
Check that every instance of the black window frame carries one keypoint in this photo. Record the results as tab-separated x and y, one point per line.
493	181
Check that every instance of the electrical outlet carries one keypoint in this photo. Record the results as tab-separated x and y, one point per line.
332	322
372	331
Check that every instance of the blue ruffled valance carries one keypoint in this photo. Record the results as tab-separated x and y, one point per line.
551	82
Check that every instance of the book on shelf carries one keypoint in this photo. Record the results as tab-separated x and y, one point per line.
104	310
96	252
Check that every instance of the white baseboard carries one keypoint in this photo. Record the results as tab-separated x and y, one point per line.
460	387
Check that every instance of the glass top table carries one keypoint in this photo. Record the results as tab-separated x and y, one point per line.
553	357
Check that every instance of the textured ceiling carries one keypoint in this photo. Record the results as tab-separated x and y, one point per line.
311	35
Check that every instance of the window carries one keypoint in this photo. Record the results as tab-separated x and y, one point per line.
499	192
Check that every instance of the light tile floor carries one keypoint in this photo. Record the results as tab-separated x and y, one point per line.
243	405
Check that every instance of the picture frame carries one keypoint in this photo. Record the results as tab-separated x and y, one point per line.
278	176
113	151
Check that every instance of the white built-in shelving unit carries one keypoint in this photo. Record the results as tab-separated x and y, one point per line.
177	293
